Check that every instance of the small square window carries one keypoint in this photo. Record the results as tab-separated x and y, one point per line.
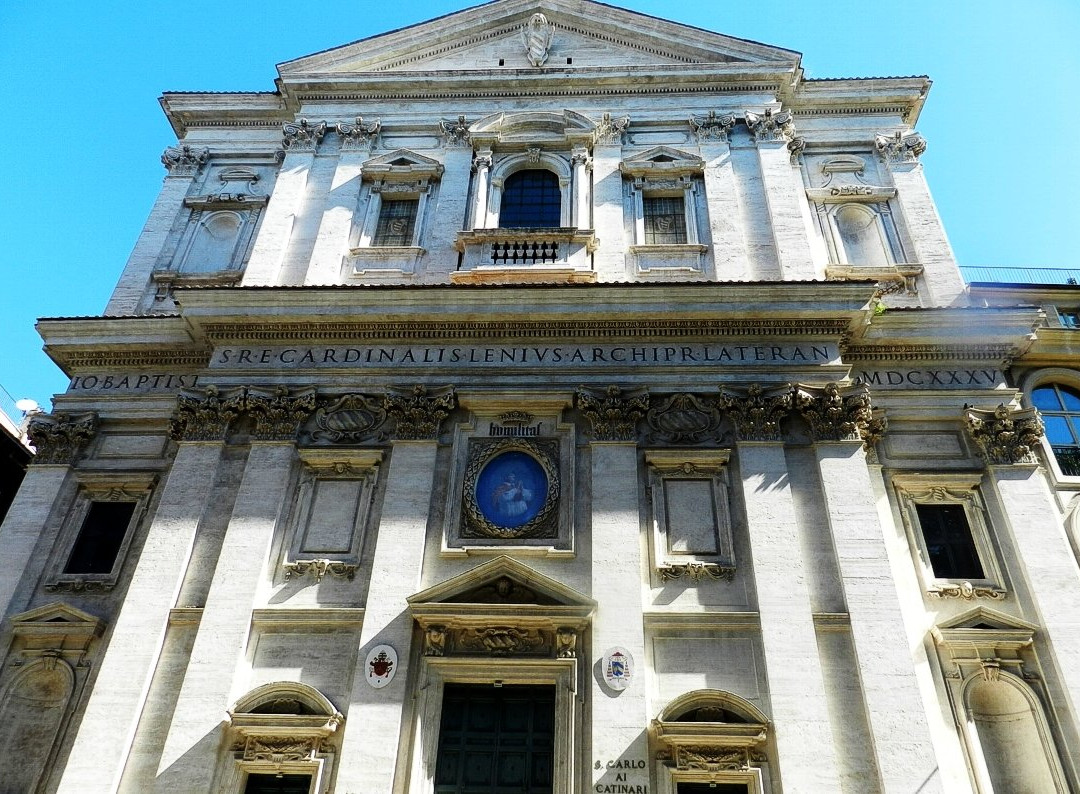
258	783
100	538
665	220
397	221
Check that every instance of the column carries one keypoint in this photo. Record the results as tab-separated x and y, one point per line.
789	212
58	439
112	713
922	224
806	755
300	140
190	754
333	239
451	210
482	218
730	257
619	718
609	260
183	163
581	163
902	746
1043	552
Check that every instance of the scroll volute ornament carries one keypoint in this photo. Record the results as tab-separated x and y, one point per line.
60	438
420	414
613	415
756	413
1005	435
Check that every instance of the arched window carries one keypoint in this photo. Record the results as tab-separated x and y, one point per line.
1060	408
531	200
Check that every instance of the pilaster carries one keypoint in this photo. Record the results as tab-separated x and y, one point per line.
59	439
299	142
342	201
730	257
789	214
1007	439
618	716
108	724
609	260
189	756
900	152
183	163
806	754
902	745
451	206
368	756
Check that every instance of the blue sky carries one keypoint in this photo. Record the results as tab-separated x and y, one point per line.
83	132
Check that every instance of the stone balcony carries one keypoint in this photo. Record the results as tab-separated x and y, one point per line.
525	255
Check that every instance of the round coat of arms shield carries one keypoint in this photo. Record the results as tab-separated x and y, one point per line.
380	666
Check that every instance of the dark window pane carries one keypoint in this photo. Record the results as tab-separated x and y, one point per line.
273	784
948	542
100	537
531	200
397	219
665	220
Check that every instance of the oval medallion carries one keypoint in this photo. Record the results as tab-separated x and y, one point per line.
618	667
380	666
511	489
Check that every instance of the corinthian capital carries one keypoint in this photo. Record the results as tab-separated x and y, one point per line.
455	133
756	413
609	131
900	147
613	415
59	438
302	135
184	160
205	414
770	125
1005	435
835	414
419	414
278	414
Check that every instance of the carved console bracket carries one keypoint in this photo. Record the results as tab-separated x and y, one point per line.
320	568
1005	435
695	571
967	591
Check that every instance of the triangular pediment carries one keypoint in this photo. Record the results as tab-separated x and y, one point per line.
501	582
401	158
56	612
986	619
586	35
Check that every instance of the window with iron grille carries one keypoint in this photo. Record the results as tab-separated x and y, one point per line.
397	221
665	220
531	199
1060	409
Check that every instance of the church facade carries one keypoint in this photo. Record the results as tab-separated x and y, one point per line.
549	398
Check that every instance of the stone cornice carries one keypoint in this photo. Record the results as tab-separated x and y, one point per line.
923	352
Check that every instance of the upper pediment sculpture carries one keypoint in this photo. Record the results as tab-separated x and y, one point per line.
537	36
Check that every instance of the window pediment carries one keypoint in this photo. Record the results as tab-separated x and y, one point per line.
401	165
534	127
662	163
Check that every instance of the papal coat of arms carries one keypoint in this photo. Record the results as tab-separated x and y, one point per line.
381	665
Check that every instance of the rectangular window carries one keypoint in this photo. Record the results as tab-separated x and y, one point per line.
277	784
1070	319
100	538
397	221
665	220
949	543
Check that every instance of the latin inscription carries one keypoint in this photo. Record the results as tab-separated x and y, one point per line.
615	771
931	378
529	356
132	382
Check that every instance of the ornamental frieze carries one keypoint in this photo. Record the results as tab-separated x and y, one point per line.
60	438
419	415
1005	435
612	415
684	419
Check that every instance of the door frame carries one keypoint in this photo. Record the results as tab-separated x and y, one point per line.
436	672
